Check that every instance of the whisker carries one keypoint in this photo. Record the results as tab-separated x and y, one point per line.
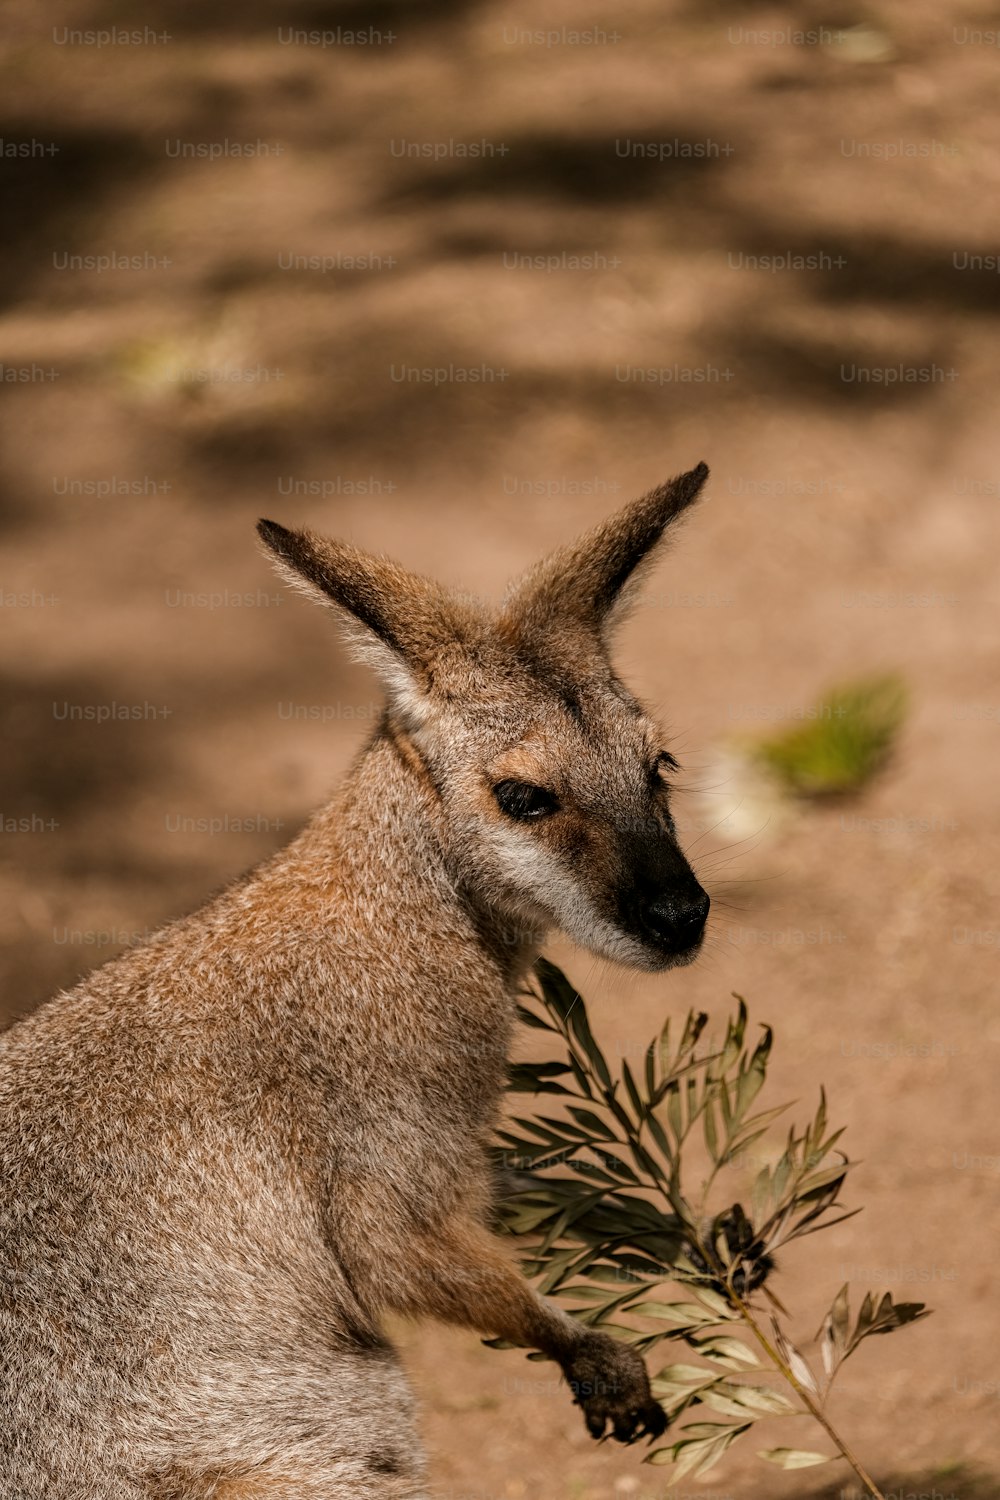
707	831
737	853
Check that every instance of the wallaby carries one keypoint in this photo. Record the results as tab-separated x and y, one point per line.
226	1155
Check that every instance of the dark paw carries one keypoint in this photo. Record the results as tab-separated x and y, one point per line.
609	1382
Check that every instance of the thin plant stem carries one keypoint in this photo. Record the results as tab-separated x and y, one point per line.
804	1394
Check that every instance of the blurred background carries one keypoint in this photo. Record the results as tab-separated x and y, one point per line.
454	280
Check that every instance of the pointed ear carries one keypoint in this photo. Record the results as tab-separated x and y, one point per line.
588	581
397	621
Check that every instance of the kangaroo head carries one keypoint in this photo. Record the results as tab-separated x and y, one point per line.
553	781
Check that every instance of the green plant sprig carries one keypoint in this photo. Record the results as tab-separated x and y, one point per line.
844	740
598	1195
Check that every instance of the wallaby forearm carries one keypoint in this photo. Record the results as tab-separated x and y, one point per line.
449	1267
459	1274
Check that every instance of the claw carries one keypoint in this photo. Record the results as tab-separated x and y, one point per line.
654	1420
624	1428
595	1424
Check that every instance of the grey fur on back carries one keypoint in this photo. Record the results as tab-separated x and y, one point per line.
225	1155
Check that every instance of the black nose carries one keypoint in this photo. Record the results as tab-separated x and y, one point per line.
673	921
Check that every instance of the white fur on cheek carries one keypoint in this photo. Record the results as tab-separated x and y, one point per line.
536	871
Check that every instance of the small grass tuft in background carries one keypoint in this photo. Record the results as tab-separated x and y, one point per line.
845	738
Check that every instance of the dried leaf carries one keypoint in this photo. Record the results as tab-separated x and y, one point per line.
795	1458
690	1314
696	1455
727	1351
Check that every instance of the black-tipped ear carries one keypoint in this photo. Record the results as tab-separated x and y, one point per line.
405	619
340	573
585	581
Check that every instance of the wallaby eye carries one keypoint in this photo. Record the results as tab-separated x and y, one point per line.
521	800
665	764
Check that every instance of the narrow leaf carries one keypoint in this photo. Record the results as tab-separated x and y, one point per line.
795	1458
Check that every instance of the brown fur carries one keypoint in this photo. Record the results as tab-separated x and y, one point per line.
225	1156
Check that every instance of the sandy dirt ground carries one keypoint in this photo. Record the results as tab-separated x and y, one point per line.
230	254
